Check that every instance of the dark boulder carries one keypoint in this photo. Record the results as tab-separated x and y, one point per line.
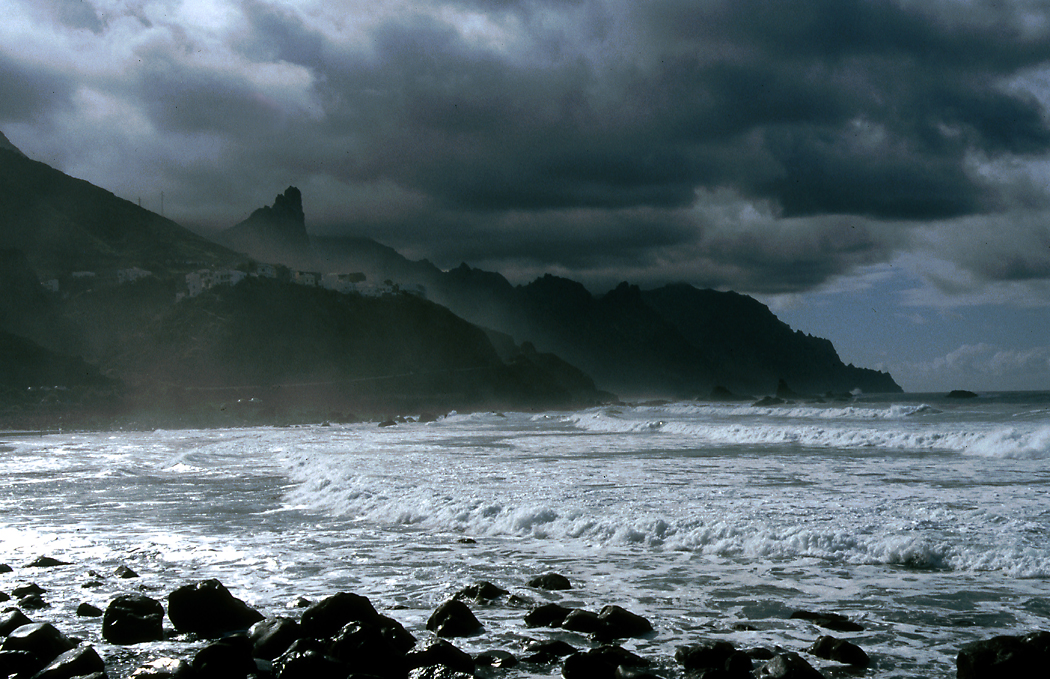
23	591
547	615
133	619
600	663
440	652
396	634
77	662
4	568
17	663
550	581
12	619
496	658
272	637
705	655
453	619
437	672
788	666
326	617
619	623
4	597
555	647
40	639
840	650
86	610
715	659
33	602
207	609
306	659
767	401
480	593
961	393
832	621
229	658
1005	656
362	647
624	672
46	562
125	573
584	622
164	668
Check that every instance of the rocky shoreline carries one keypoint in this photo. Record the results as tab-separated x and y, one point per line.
209	633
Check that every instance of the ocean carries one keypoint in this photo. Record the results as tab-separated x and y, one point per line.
924	519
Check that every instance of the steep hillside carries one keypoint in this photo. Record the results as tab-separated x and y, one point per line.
752	349
63	224
290	346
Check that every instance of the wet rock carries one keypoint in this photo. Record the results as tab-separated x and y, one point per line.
272	637
623	672
832	621
326	617
584	622
4	597
788	666
705	655
229	658
305	659
547	615
23	591
840	650
33	602
554	647
437	672
78	662
18	663
163	668
1005	656
86	610
209	610
619	623
40	639
496	658
961	393
550	581
12	619
46	562
600	663
396	634
767	401
453	619
480	592
124	572
4	568
133	619
363	647
440	652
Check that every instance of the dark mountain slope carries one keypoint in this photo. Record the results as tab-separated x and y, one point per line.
283	343
63	224
752	349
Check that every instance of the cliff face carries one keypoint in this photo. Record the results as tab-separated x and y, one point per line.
275	233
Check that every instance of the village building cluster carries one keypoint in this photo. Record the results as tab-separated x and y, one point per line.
198	281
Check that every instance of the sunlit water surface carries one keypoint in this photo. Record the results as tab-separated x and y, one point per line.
925	520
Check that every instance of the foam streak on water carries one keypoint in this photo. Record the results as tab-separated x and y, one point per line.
928	521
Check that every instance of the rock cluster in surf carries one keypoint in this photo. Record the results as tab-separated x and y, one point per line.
343	636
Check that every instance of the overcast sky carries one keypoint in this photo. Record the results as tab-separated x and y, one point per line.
877	172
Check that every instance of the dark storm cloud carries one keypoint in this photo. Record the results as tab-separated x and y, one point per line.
592	134
28	91
827	107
